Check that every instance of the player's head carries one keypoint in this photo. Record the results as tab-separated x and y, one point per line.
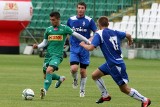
102	22
55	18
81	8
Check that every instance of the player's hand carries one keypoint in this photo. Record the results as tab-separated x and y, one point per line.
35	46
130	42
82	43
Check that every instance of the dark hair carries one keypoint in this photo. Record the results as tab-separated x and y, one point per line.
103	21
83	4
55	14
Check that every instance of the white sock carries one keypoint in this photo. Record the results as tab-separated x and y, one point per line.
102	87
136	95
75	75
83	84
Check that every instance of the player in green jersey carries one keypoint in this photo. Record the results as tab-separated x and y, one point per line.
54	39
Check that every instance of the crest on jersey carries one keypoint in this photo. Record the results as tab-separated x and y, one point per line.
83	23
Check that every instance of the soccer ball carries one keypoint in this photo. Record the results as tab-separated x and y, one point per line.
28	94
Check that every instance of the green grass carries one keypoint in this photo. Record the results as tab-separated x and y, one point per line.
18	72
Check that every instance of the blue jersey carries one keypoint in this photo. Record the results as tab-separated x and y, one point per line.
109	42
82	25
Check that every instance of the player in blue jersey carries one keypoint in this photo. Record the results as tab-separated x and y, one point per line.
109	42
78	55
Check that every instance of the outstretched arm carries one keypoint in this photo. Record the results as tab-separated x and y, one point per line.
87	47
80	37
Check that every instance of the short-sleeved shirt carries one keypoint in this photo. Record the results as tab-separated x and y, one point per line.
56	37
83	25
109	42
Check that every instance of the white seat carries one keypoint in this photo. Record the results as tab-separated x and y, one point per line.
110	25
151	26
116	26
132	19
158	8
140	14
130	26
157	31
150	31
146	12
154	6
158	17
153	13
152	19
123	26
149	35
146	15
125	18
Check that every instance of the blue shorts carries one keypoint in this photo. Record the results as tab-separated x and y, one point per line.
117	72
79	54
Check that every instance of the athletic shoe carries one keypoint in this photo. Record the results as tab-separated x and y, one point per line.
75	84
102	99
58	83
82	94
146	104
42	93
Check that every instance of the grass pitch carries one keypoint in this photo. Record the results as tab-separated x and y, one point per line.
18	72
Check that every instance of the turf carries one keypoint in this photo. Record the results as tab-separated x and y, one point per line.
18	72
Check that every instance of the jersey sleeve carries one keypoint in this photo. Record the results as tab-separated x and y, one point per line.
93	25
68	30
121	35
96	40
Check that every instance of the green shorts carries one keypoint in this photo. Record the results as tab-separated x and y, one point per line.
53	61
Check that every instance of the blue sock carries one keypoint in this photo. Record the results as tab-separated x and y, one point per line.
47	81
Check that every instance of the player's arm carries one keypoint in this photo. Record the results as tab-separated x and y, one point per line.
80	37
129	38
89	47
41	45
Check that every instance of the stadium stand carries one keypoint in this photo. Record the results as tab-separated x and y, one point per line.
148	18
148	23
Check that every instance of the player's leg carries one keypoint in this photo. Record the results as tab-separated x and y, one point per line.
84	62
54	63
83	80
47	81
96	76
120	76
135	94
74	64
74	73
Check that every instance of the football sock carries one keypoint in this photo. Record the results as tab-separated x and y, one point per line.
55	76
136	95
100	84
47	81
83	83
75	75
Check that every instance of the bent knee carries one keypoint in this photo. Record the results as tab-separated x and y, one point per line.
94	77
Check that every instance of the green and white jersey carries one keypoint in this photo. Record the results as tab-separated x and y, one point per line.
56	37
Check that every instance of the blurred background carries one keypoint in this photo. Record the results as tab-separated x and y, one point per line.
140	18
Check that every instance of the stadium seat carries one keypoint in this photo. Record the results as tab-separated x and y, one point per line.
125	18
116	26
123	26
132	19
140	14
110	25
154	6
131	27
